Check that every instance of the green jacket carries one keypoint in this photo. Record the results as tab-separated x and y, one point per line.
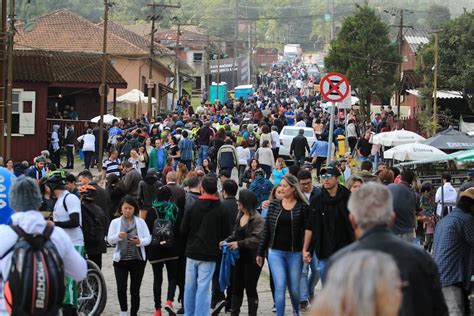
153	159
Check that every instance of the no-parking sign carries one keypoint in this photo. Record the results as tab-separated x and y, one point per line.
334	87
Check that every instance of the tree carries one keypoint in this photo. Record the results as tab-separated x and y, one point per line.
363	52
456	57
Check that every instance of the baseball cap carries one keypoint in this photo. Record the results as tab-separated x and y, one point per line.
330	170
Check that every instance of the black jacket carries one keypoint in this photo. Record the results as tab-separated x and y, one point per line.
253	233
147	189
70	137
330	223
204	226
100	247
231	209
422	293
299	146
300	219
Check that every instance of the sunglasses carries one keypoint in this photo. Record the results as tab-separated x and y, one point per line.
327	176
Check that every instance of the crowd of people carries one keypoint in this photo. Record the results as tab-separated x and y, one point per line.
206	194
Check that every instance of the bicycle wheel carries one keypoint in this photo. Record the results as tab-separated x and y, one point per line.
92	291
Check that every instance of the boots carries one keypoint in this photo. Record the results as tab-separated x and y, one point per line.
253	306
236	304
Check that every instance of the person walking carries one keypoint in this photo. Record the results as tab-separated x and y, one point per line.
404	205
203	227
371	214
147	190
204	135
331	229
265	158
131	178
283	238
88	147
227	156
55	147
454	253
69	143
447	198
158	157
299	147
186	149
130	235
261	186
246	237
279	171
243	157
163	250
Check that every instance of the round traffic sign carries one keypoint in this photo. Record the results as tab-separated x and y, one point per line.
334	87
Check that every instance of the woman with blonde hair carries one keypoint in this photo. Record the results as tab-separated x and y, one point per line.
279	171
181	173
283	238
361	283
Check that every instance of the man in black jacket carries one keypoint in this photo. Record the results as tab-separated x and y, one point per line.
371	213
203	227
331	228
69	144
299	146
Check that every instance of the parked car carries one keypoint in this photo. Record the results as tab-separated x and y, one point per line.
286	137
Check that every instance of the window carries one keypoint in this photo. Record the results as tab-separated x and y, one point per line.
197	58
15	112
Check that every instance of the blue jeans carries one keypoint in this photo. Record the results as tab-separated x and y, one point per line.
203	153
307	284
322	266
286	269
197	289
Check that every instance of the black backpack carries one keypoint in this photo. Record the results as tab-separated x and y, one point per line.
92	226
36	283
163	234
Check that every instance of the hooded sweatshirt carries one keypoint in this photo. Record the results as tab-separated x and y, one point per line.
147	189
204	225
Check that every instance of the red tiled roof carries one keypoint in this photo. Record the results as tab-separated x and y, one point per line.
62	67
63	30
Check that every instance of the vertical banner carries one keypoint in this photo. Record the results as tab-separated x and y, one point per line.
6	180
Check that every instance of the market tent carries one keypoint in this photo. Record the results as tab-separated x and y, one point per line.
451	139
460	157
395	138
108	119
414	151
134	96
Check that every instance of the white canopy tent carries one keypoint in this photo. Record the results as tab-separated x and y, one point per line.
108	119
134	96
395	138
413	151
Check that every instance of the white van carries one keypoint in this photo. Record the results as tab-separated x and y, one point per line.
288	133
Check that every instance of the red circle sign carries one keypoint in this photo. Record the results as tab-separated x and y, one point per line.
334	87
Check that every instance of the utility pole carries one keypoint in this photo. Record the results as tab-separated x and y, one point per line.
3	59
176	62
11	35
103	89
218	76
237	9
150	84
435	84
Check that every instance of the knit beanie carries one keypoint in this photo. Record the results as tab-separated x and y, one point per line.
25	194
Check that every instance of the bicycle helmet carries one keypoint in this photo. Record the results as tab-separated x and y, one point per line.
88	192
56	180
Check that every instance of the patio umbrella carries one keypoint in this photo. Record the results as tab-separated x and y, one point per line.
395	138
414	151
108	119
134	96
451	139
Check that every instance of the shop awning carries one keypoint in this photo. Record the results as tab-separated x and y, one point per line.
460	157
440	94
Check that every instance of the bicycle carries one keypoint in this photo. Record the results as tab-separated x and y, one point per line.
92	291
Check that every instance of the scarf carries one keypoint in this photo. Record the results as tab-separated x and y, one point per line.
131	230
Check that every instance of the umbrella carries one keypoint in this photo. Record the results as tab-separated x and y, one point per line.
451	139
134	96
108	119
414	151
395	138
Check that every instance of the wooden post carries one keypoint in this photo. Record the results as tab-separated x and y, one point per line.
103	87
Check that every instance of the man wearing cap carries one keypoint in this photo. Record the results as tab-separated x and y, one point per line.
454	252
299	146
36	170
25	199
470	181
331	227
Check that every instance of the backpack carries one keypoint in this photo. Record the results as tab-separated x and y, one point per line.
35	284
92	227
252	139
163	233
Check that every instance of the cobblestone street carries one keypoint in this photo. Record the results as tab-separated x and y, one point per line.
146	294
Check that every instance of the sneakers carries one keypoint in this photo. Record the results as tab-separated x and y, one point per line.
304	306
157	312
123	314
274	309
169	308
180	311
217	309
